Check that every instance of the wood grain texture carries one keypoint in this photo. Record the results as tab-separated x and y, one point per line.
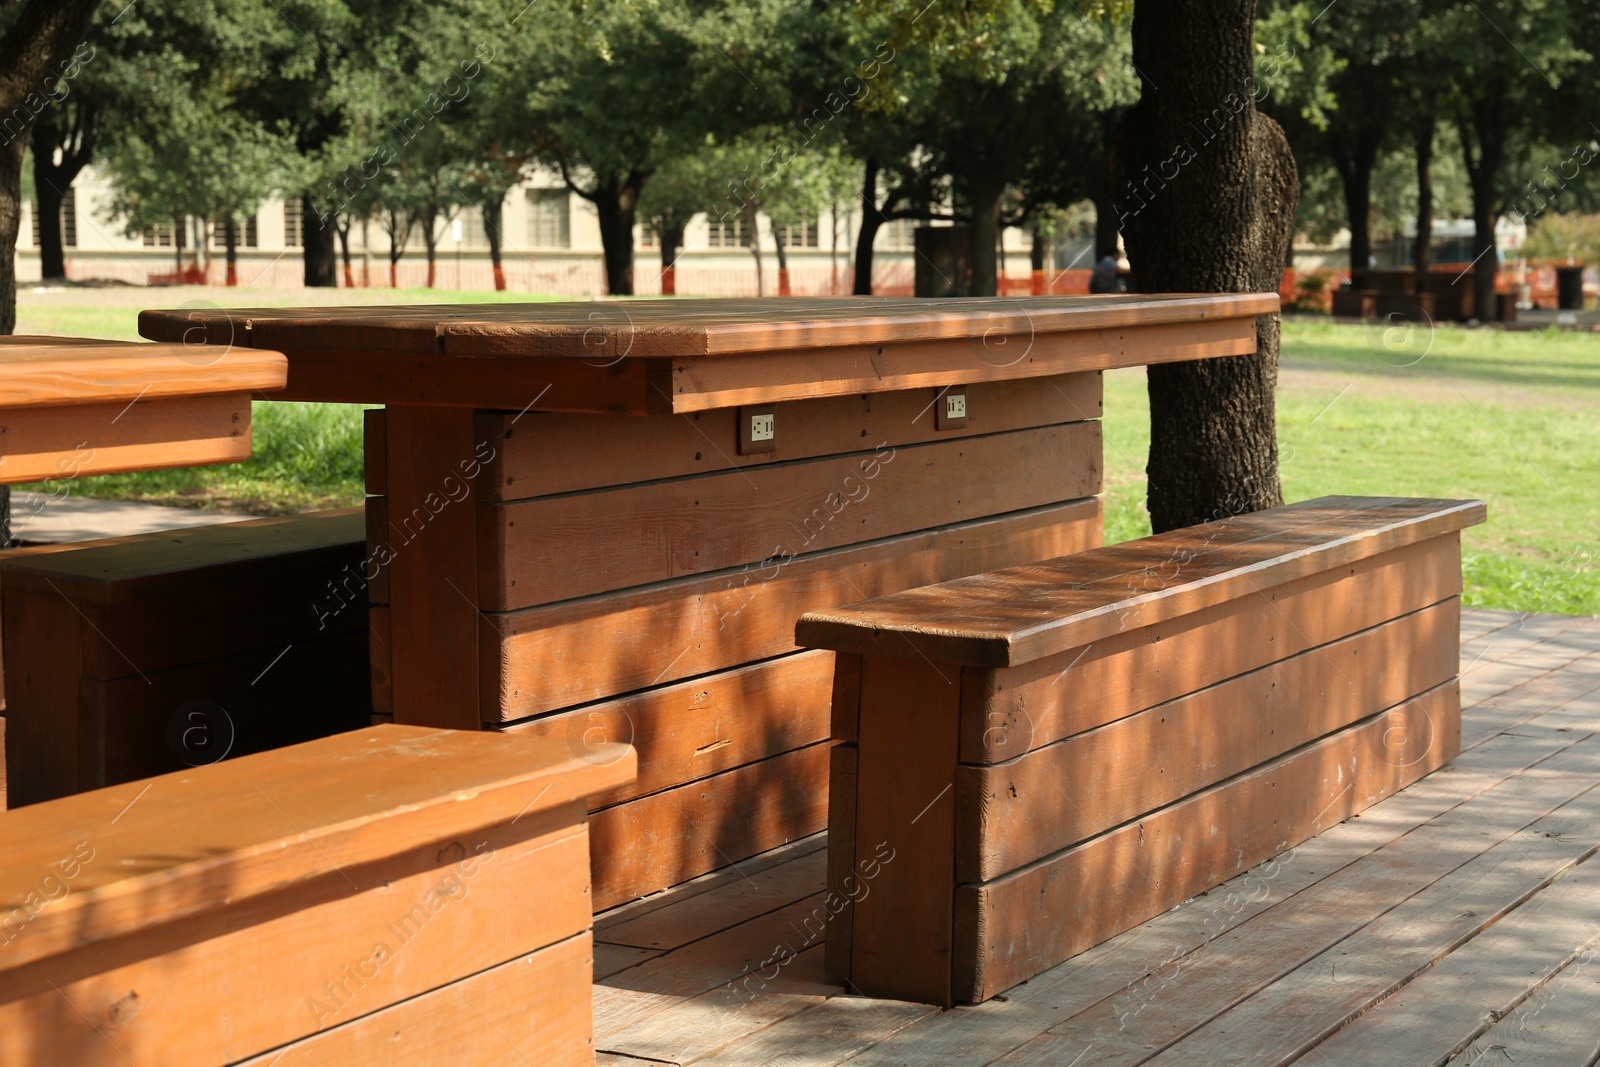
375	451
845	699
1013	813
644	637
273	819
540	551
66	442
531	1010
598	451
842	882
1014	709
1014	927
901	940
669	837
765	377
1025	613
312	955
380	660
691	730
433	571
48	374
379	552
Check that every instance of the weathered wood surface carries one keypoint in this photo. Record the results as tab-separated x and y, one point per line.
1025	613
672	356
1508	798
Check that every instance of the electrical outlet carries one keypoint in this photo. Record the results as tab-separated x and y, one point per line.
950	409
758	431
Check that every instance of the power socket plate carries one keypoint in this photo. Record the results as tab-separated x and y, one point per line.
758	430
950	409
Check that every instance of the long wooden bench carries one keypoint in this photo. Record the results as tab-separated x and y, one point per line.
133	656
1032	760
395	894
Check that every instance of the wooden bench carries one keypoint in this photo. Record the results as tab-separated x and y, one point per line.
1032	760
416	891
133	656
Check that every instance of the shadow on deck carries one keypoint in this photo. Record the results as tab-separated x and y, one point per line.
1455	922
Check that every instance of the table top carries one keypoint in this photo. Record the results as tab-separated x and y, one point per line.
671	355
1024	613
55	371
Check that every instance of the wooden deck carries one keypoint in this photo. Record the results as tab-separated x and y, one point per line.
1456	922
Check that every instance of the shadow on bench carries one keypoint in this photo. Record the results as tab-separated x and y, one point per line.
1033	760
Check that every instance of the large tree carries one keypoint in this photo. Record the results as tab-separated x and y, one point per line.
37	43
1206	189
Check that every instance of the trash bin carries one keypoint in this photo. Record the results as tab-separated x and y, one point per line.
1569	288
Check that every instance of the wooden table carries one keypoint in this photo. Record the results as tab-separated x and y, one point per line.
600	521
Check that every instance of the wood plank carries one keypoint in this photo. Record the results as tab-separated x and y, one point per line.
690	730
584	330
43	639
765	377
700	1026
830	1033
433	575
379	553
1445	852
375	450
1024	613
601	450
1444	1010
845	698
1554	1026
659	840
48	373
530	1010
1023	707
1013	813
644	637
612	959
1305	1006
540	551
841	873
732	874
1128	875
380	660
709	913
1547	692
43	443
347	799
265	699
292	952
901	940
1131	974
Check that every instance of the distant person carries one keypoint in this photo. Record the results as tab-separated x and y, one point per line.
1104	278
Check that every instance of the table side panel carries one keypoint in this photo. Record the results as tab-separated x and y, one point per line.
62	443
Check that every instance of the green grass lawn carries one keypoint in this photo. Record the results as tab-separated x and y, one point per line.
1511	418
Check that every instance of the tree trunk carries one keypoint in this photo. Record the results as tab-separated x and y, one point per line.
10	218
1423	249
1355	164
985	236
318	238
47	202
493	212
344	255
230	243
429	220
1037	253
1487	126
614	201
871	219
1215	220
178	228
671	236
783	262
754	231
52	179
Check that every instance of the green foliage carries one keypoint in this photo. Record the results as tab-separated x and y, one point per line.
1571	238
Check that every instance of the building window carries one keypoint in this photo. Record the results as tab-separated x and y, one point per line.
293	231
802	236
897	235
648	238
245	235
252	234
549	218
727	234
158	236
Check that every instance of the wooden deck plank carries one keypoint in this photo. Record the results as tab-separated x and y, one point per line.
703	1025
1555	1026
728	905
1197	989
706	883
1312	1001
825	1035
610	959
1444	1009
1515	706
1134	966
